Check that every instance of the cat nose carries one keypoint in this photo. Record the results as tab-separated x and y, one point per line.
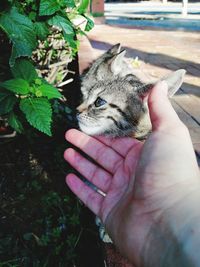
81	108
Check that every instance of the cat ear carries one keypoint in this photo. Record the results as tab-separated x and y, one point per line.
116	62
174	81
115	49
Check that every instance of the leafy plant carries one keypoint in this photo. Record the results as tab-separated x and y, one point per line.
34	37
25	94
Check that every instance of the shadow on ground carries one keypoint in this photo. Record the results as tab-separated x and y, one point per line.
160	60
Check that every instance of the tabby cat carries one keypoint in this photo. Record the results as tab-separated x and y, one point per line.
114	102
114	97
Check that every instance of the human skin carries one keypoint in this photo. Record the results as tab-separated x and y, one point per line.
152	189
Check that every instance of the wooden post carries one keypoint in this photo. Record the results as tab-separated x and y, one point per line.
185	7
97	10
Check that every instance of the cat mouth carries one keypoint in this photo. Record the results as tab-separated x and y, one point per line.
86	121
90	129
83	123
89	126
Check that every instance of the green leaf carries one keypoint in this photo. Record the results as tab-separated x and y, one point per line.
38	93
20	31
68	3
49	91
7	101
24	69
38	81
48	7
17	86
70	39
41	29
38	113
62	23
89	25
83	6
15	123
65	25
32	15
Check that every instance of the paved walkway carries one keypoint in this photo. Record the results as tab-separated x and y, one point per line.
159	52
154	14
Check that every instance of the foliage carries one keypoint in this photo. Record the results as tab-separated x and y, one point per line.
39	218
25	94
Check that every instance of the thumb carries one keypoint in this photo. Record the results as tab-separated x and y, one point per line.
162	113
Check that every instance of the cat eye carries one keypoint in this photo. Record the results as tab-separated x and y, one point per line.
99	102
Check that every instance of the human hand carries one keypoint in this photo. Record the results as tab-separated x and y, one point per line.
146	185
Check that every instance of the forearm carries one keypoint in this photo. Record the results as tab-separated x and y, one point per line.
171	239
174	240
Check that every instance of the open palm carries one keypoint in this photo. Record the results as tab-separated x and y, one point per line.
118	158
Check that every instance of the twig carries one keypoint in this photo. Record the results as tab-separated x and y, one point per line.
8	135
57	64
65	82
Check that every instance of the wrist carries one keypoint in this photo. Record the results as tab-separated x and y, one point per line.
185	225
174	239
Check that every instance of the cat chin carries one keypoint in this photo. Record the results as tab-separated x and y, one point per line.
91	130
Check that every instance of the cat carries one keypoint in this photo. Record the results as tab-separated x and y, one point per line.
114	102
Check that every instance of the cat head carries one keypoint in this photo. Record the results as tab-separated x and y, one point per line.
115	107
109	65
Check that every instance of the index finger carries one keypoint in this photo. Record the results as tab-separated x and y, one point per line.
121	145
161	112
101	153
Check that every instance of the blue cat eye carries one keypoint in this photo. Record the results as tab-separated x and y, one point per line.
99	102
